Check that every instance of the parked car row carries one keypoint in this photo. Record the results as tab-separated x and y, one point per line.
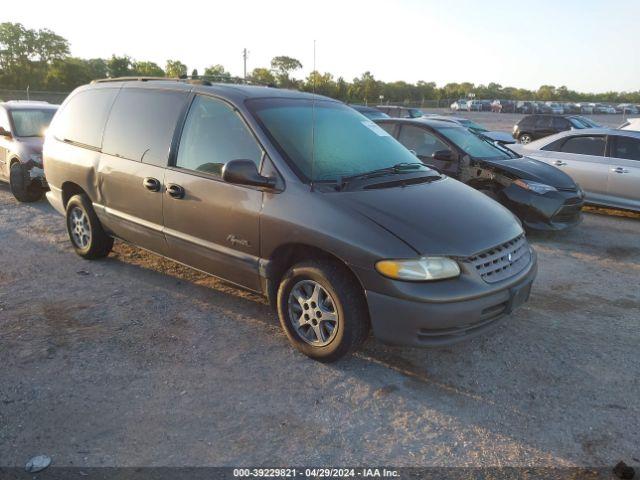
527	107
533	127
408	225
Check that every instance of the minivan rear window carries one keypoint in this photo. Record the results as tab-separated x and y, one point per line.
81	120
142	123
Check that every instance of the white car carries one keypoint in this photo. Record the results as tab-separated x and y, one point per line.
459	105
631	124
604	162
474	106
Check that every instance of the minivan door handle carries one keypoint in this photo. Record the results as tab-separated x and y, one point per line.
559	163
174	190
152	184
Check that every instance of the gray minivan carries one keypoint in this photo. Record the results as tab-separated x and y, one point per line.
292	195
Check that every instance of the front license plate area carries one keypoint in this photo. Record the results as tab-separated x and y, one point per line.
518	296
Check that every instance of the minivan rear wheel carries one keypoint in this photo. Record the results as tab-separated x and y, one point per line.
322	310
87	236
525	138
22	186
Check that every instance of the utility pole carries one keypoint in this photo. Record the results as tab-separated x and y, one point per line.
244	58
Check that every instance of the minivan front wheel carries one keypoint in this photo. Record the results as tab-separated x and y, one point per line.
88	238
525	138
322	310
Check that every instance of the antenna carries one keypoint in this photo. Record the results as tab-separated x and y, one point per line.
313	115
245	54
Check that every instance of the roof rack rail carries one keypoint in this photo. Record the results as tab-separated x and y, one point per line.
192	79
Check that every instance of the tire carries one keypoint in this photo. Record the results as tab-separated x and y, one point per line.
87	236
524	138
339	297
22	187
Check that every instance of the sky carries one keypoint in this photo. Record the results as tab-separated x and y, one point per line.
587	45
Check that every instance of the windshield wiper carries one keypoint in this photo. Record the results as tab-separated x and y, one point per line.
403	167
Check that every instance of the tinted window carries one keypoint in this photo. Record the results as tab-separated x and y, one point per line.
587	145
31	122
544	122
82	119
421	141
560	123
388	127
554	146
626	147
141	124
213	135
528	121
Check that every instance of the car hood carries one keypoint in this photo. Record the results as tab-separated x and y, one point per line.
445	217
528	168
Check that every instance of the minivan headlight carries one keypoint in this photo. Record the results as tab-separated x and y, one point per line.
535	187
419	269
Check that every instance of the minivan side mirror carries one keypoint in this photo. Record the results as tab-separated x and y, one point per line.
443	155
4	132
245	172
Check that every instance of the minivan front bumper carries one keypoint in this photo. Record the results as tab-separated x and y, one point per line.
400	321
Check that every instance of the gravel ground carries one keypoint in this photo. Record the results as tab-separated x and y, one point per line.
506	121
135	360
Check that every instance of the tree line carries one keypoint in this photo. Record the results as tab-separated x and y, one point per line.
41	60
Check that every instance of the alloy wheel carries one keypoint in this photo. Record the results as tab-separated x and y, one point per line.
313	313
79	228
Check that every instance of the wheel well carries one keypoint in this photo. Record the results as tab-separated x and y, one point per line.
285	256
69	189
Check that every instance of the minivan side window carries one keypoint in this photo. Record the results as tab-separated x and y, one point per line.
626	147
82	119
585	145
420	141
213	135
142	123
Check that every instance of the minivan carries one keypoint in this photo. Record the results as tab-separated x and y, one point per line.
292	195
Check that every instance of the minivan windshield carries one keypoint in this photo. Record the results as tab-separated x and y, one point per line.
31	122
474	145
324	140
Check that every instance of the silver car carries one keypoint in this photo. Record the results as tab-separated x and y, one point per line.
605	162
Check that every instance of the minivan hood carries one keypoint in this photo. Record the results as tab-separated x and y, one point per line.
528	168
445	217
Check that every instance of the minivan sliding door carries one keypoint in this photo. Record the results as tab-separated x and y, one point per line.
136	145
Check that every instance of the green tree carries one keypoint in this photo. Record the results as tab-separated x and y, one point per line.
194	73
25	54
119	66
217	73
147	69
320	83
262	76
175	69
283	67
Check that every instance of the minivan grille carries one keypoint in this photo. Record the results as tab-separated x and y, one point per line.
504	261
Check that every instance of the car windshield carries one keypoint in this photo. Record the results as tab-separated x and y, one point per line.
326	140
473	145
31	122
578	123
